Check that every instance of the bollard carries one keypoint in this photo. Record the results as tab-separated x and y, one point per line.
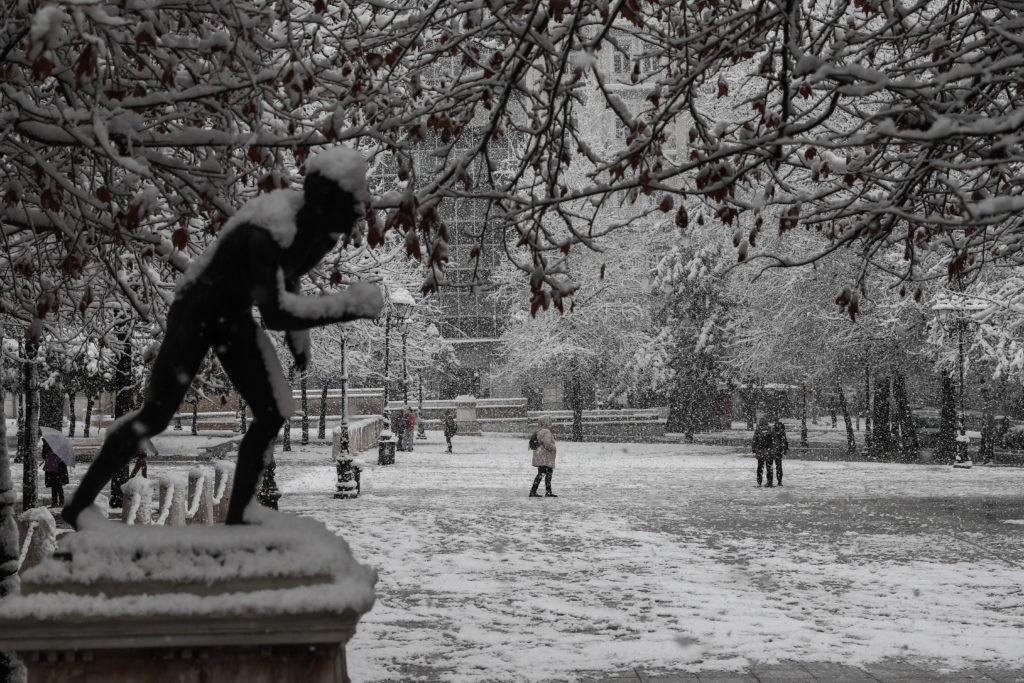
173	490
224	481
348	478
200	497
138	501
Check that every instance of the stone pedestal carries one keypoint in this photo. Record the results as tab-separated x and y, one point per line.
465	416
274	601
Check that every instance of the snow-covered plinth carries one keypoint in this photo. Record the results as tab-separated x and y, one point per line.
113	590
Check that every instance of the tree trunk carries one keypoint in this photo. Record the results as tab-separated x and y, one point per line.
88	415
867	408
195	417
749	409
883	436
123	402
803	415
243	418
9	545
51	409
574	400
30	436
286	437
51	406
851	443
305	409
986	449
321	432
909	445
71	414
19	449
945	448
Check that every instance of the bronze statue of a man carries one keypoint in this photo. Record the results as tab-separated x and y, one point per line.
257	261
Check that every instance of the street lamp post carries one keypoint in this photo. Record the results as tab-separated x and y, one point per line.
347	476
401	305
405	365
387	357
954	313
421	429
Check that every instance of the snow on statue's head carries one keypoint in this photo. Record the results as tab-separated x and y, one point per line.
335	189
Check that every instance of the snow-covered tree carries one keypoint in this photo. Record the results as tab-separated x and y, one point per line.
682	359
131	132
587	347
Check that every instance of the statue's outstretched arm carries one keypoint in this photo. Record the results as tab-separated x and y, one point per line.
287	311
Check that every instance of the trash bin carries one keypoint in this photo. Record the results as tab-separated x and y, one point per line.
348	478
386	448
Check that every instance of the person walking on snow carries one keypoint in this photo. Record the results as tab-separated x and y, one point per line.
760	445
258	260
55	475
399	424
779	447
450	427
544	457
410	428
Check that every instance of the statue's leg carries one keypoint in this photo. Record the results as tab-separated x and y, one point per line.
176	364
251	363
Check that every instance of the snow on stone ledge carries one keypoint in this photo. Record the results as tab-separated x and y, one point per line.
282	565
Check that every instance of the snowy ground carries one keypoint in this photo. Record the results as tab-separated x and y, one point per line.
667	557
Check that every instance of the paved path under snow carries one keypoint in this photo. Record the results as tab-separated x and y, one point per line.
664	563
666	560
826	672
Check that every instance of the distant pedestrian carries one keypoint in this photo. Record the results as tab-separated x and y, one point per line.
450	428
779	447
55	475
760	445
410	428
140	466
399	422
544	457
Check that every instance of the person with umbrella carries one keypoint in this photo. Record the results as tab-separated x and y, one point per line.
58	455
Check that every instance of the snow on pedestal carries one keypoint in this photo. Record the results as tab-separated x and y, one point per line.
224	480
138	497
200	496
38	533
173	488
276	600
465	416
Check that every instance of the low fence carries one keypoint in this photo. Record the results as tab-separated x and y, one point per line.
598	425
364	433
201	498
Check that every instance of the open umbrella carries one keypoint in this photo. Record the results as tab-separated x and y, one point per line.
59	444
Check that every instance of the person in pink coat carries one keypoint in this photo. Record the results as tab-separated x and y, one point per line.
544	457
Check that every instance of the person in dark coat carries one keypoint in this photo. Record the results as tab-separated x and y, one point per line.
141	466
399	425
410	429
55	475
258	260
760	445
450	427
779	447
